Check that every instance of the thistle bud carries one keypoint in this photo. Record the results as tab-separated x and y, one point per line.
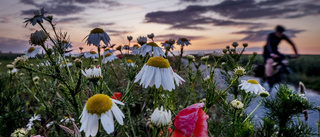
245	45
234	44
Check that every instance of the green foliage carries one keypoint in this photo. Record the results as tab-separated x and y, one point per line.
283	108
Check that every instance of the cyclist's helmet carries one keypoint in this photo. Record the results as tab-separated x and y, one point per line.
280	28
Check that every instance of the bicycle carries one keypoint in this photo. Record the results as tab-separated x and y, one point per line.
280	69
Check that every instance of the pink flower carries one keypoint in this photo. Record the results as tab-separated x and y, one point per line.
191	121
36	136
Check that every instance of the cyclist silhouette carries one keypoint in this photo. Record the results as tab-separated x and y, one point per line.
271	53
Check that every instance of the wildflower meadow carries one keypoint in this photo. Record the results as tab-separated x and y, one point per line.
139	90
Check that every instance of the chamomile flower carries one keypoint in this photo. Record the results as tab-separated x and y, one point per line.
20	132
20	61
130	63
157	71
251	86
108	57
102	107
94	73
134	49
66	120
91	54
161	118
13	71
96	35
37	18
236	104
167	45
183	42
152	49
107	50
64	64
142	40
240	71
32	52
38	38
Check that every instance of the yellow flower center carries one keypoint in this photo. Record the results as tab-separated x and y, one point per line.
64	41
153	44
129	61
158	62
252	81
31	49
98	104
107	55
107	49
136	46
97	30
93	52
184	39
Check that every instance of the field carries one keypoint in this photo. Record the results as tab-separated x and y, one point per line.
52	98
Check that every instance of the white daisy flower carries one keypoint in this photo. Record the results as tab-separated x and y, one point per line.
142	40
91	54
240	71
32	52
157	71
167	45
161	118
20	132
66	120
252	86
13	71
38	38
152	49
109	51
64	64
101	107
96	35
49	124
183	42
38	16
204	58
20	61
130	63
134	49
236	104
94	73
108	57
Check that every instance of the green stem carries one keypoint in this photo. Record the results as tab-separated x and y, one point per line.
231	84
253	111
64	60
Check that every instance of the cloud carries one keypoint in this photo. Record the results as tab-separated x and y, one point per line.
240	10
175	37
60	9
190	18
117	32
100	24
261	35
68	20
13	45
4	19
65	7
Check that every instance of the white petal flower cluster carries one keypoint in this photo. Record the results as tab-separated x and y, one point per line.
236	104
251	86
34	118
160	117
94	73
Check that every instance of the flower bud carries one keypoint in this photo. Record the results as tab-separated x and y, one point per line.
245	45
234	44
10	66
236	104
78	62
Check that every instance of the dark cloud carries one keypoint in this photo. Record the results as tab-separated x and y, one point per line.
193	16
117	32
13	45
64	7
261	35
194	1
68	20
100	24
175	37
59	9
190	18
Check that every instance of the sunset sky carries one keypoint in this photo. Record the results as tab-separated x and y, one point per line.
210	24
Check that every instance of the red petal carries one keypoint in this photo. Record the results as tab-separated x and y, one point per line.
201	126
186	120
